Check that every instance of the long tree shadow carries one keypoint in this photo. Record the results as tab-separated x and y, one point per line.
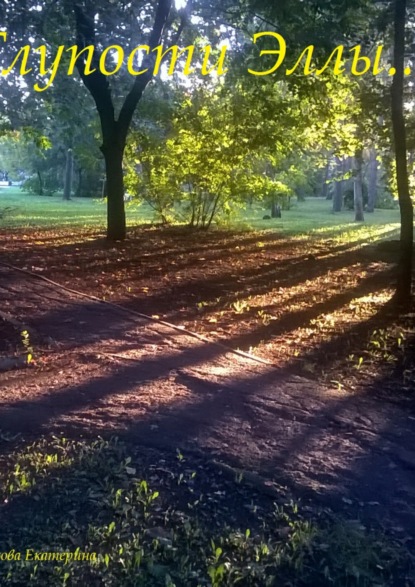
102	323
328	449
100	389
228	288
217	285
260	418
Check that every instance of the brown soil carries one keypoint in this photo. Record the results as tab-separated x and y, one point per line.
10	338
319	419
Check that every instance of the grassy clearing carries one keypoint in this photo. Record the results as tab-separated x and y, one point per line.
314	216
28	210
311	217
169	521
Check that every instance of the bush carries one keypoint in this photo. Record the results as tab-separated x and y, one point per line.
348	197
385	201
33	185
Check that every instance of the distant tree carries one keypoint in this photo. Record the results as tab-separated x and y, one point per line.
338	187
67	188
358	186
372	180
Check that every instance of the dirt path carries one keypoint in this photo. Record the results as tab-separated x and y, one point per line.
98	370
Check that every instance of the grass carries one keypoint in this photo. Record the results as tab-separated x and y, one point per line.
169	522
311	217
314	216
28	210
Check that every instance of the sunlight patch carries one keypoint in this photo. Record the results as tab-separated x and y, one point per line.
375	298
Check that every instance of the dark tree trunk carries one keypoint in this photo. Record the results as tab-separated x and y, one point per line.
40	191
338	188
115	131
116	225
300	195
358	187
104	193
337	197
373	181
79	186
403	288
325	191
67	188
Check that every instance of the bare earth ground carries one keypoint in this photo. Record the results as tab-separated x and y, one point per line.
311	309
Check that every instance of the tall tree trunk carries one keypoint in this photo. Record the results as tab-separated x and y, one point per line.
116	225
338	188
39	176
373	181
273	207
67	188
104	193
337	196
115	131
325	191
300	195
348	165
403	288
79	186
358	187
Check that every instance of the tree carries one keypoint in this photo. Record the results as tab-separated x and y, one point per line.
338	186
114	129
204	162
404	282
358	186
98	24
67	188
372	180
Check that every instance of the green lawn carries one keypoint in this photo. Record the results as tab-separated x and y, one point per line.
53	211
312	216
315	216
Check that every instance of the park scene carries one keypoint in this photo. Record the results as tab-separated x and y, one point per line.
207	317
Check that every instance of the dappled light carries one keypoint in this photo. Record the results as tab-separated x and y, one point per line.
316	311
207	319
273	297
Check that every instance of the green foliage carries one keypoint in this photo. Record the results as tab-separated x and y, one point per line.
385	201
220	151
27	345
199	169
34	185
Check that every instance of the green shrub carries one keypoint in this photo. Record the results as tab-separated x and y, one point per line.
348	197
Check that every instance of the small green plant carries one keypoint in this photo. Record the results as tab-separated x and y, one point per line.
216	569
180	456
27	345
240	306
264	317
62	494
